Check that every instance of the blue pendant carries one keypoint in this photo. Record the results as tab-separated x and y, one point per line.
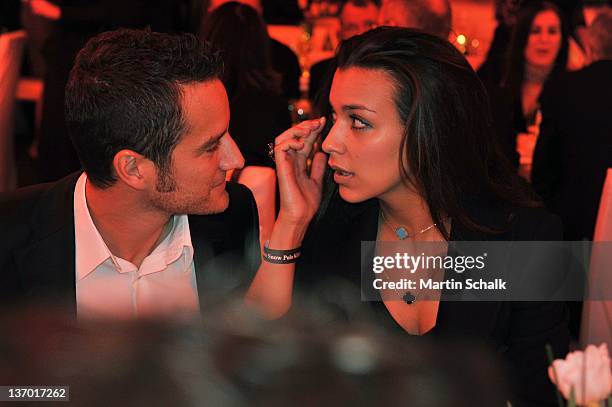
401	233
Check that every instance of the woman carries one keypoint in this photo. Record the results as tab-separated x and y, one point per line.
507	13
410	152
538	53
259	113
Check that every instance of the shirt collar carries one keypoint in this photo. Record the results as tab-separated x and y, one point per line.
175	244
91	250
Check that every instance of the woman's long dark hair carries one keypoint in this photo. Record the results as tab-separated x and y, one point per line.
448	152
239	32
515	69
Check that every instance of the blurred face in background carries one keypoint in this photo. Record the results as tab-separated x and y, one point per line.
395	14
356	20
364	141
544	39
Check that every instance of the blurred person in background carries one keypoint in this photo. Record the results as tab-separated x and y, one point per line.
574	149
431	16
356	17
258	111
507	13
537	54
284	60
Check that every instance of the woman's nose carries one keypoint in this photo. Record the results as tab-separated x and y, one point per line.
332	143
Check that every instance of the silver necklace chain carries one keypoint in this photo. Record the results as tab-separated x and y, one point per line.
402	234
401	231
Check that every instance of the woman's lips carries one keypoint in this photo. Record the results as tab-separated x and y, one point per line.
340	173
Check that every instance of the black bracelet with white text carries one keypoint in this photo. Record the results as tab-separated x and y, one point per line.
281	256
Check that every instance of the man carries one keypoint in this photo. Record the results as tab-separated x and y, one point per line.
356	17
432	16
574	149
148	117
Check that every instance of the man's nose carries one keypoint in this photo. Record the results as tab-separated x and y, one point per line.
232	157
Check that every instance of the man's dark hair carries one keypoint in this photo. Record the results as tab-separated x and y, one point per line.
124	92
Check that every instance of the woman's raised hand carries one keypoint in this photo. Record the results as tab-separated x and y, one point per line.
300	192
300	196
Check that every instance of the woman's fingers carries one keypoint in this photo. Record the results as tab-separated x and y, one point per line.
291	144
319	162
315	131
285	154
302	130
298	190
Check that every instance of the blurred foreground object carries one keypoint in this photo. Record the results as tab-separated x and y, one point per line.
584	377
237	359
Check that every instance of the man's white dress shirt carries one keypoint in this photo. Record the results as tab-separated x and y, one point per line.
108	286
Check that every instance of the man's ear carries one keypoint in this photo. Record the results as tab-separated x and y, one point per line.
133	169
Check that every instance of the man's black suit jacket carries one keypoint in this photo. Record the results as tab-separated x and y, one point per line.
574	149
37	245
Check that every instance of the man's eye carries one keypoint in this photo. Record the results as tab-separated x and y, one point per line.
213	148
359	124
208	149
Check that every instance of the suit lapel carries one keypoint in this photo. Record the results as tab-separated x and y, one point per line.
208	236
47	268
47	264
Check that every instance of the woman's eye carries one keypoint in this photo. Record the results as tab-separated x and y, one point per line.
358	123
